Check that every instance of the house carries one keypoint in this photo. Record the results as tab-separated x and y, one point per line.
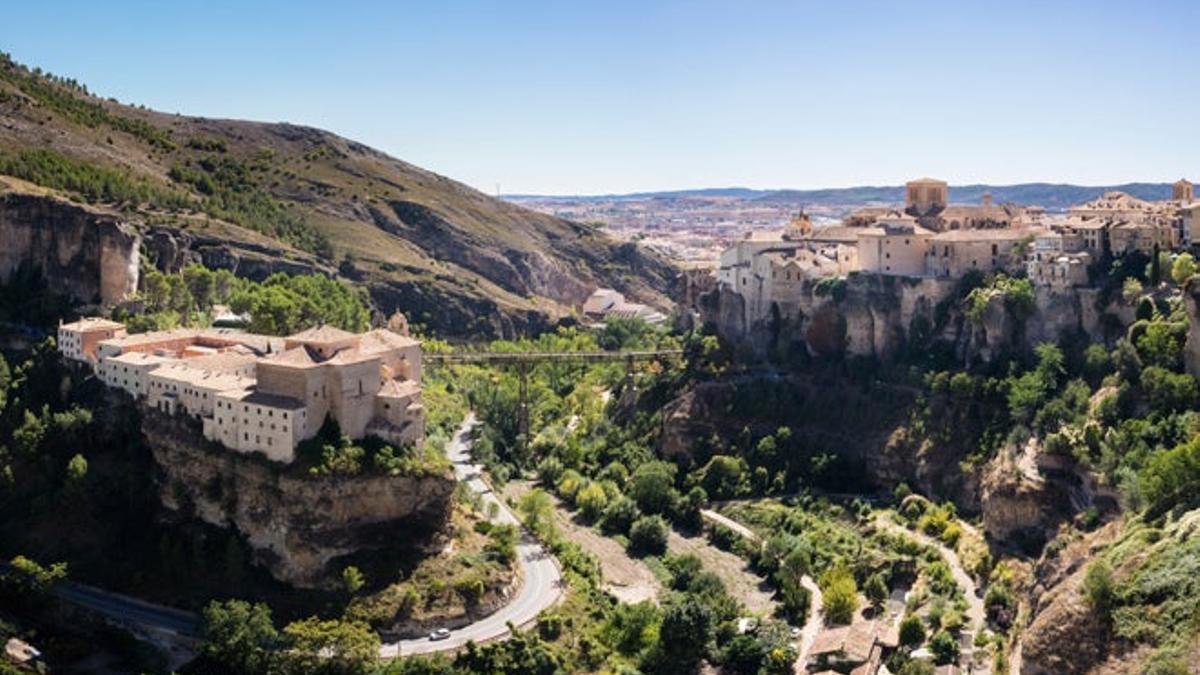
77	341
895	247
956	252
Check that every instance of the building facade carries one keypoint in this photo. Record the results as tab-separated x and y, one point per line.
260	394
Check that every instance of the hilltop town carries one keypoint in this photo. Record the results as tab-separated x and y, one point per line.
782	275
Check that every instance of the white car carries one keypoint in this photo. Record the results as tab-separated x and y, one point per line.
439	634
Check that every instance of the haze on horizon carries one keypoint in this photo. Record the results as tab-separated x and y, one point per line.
562	98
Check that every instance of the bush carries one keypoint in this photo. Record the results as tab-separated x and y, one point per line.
840	595
944	647
1098	589
648	535
912	631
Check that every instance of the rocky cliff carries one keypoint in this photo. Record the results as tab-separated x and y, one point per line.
87	254
873	315
297	525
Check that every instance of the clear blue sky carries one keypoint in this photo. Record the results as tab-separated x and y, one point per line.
590	97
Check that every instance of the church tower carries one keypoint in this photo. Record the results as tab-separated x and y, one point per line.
1183	191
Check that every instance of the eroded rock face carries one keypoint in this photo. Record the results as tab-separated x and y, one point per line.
295	524
90	256
878	316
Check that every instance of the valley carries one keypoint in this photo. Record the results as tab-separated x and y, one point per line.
272	401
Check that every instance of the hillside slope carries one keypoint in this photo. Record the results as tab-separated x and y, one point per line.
453	258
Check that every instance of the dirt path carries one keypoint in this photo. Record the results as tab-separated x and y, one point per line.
816	617
741	582
976	614
626	578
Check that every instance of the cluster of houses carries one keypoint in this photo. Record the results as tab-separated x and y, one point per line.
605	303
261	394
930	238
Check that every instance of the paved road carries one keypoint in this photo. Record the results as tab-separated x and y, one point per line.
542	585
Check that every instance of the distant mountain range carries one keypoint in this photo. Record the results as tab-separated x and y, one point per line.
1052	196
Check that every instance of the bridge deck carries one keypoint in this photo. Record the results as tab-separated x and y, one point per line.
532	357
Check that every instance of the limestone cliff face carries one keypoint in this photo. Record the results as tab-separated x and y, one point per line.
870	315
877	316
296	525
91	256
1191	302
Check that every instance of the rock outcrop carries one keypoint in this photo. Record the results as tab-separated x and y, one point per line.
296	524
86	254
879	316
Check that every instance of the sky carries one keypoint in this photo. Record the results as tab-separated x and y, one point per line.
580	97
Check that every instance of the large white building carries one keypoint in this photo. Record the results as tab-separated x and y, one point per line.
254	393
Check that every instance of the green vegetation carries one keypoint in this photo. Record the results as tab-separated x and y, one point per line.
91	182
71	100
279	305
1016	294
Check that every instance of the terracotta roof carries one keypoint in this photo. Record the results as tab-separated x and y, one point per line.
854	641
322	335
352	355
399	389
138	359
296	357
380	340
1003	234
255	397
92	323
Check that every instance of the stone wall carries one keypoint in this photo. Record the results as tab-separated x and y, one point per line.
296	524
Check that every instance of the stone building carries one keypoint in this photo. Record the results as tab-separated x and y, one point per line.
77	341
925	197
1058	260
956	252
895	247
1183	192
255	393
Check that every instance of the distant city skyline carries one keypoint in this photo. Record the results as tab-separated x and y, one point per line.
618	97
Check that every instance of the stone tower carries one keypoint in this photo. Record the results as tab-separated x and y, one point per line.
1183	191
925	197
799	227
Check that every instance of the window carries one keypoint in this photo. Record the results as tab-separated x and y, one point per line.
995	251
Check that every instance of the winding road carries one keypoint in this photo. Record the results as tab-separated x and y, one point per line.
542	584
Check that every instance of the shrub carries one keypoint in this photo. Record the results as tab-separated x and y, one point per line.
944	647
648	535
912	631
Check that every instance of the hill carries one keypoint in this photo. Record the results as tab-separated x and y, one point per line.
1052	196
456	260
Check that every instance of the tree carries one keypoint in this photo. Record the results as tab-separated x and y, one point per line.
502	544
743	655
944	647
652	486
1131	290
619	515
722	476
28	436
352	579
76	472
1183	268
591	501
634	628
839	594
1160	344
537	510
238	636
1171	478
876	590
912	631
1098	589
790	575
687	629
335	647
648	534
